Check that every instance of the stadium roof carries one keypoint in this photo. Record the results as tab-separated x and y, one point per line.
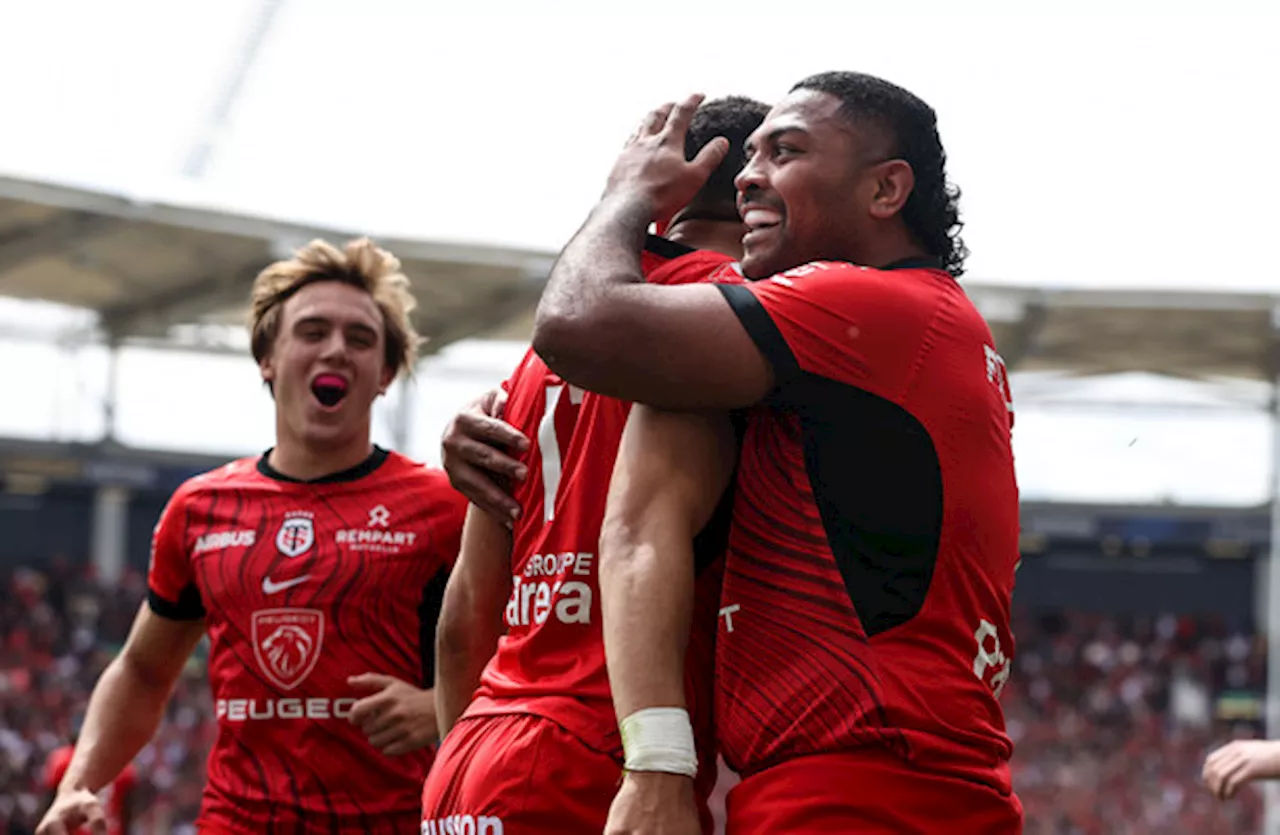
144	267
1200	335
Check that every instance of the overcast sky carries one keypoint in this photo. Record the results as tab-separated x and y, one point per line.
1118	144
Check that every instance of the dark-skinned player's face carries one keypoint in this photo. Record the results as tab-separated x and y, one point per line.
327	364
806	190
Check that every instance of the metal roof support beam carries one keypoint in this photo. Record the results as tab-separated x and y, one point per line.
220	117
111	399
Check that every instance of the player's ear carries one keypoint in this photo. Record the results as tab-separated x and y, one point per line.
267	370
894	181
387	377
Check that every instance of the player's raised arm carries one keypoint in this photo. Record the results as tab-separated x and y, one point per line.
671	472
124	712
601	327
471	615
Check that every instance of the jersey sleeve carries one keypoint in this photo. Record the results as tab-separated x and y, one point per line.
171	589
855	325
668	262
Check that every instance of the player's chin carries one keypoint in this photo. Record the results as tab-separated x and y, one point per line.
762	260
329	422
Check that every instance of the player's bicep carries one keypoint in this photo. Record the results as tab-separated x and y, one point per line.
158	647
671	471
678	347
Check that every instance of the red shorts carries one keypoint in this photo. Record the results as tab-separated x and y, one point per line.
828	793
517	774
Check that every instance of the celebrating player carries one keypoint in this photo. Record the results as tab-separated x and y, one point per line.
864	637
538	750
316	570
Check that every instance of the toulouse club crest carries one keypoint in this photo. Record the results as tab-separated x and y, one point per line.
296	535
287	644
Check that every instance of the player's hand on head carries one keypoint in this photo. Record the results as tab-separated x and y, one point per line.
653	803
477	450
396	717
74	811
652	164
1233	765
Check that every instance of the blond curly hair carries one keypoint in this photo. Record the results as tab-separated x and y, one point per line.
360	264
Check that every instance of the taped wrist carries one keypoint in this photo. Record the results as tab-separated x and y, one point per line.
659	739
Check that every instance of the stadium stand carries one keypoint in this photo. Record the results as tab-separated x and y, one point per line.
1112	714
1115	700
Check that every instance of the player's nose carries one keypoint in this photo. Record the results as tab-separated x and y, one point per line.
335	347
751	179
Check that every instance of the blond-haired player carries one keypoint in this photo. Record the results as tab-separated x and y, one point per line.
316	569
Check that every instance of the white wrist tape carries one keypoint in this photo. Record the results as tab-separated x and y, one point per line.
659	739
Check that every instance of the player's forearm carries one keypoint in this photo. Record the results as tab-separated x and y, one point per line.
576	317
464	646
646	587
471	615
124	711
1268	767
671	471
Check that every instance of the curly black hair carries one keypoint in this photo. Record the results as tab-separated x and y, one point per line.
932	211
735	118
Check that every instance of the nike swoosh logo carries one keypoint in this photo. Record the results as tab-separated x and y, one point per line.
269	587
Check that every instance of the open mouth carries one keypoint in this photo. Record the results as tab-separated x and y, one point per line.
329	389
758	219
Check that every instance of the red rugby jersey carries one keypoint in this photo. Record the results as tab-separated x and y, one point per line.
875	537
551	662
302	585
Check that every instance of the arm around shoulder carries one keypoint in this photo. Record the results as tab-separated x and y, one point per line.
673	347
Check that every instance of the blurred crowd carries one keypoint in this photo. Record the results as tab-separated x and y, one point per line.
1112	717
58	630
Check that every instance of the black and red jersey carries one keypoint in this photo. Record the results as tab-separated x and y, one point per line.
871	565
302	585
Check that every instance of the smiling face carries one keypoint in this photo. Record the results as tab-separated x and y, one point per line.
813	187
327	365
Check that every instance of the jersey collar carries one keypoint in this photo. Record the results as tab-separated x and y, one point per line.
364	468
